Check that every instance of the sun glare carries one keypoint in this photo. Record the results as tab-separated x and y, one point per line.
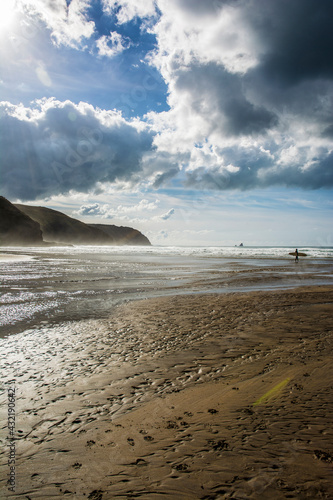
7	15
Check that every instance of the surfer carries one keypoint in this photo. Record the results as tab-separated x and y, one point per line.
297	254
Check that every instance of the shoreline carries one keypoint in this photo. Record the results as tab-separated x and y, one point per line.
189	396
51	288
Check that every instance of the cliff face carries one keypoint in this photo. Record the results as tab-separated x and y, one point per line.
59	228
17	228
27	225
123	235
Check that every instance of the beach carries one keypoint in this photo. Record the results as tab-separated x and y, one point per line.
53	285
166	250
206	396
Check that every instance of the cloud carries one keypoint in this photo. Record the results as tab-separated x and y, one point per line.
53	147
90	210
112	45
249	94
67	21
249	89
142	206
308	168
72	24
162	178
298	42
105	211
161	235
218	97
168	214
127	10
165	216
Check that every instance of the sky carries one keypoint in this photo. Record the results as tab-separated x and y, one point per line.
198	122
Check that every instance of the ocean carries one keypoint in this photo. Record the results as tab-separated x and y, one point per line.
52	285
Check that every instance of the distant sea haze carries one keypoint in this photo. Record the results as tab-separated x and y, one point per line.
45	285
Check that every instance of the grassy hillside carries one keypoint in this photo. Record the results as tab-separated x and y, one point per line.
123	235
60	228
17	228
29	225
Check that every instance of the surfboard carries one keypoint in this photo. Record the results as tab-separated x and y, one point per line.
300	254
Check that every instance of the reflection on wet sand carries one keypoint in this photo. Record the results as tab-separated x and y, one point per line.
72	285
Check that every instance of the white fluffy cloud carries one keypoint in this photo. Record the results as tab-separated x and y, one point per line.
168	214
210	32
111	45
105	211
141	212
165	216
126	10
67	21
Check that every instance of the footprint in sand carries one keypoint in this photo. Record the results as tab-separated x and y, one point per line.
323	455
96	495
77	421
171	425
77	465
181	467
219	445
130	441
140	462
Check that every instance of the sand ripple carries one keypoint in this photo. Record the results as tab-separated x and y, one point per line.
179	397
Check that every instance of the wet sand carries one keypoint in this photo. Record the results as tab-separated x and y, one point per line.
4	257
185	397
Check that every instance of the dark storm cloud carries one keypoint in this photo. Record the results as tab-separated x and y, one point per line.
68	147
297	37
245	118
219	95
295	68
275	110
328	131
